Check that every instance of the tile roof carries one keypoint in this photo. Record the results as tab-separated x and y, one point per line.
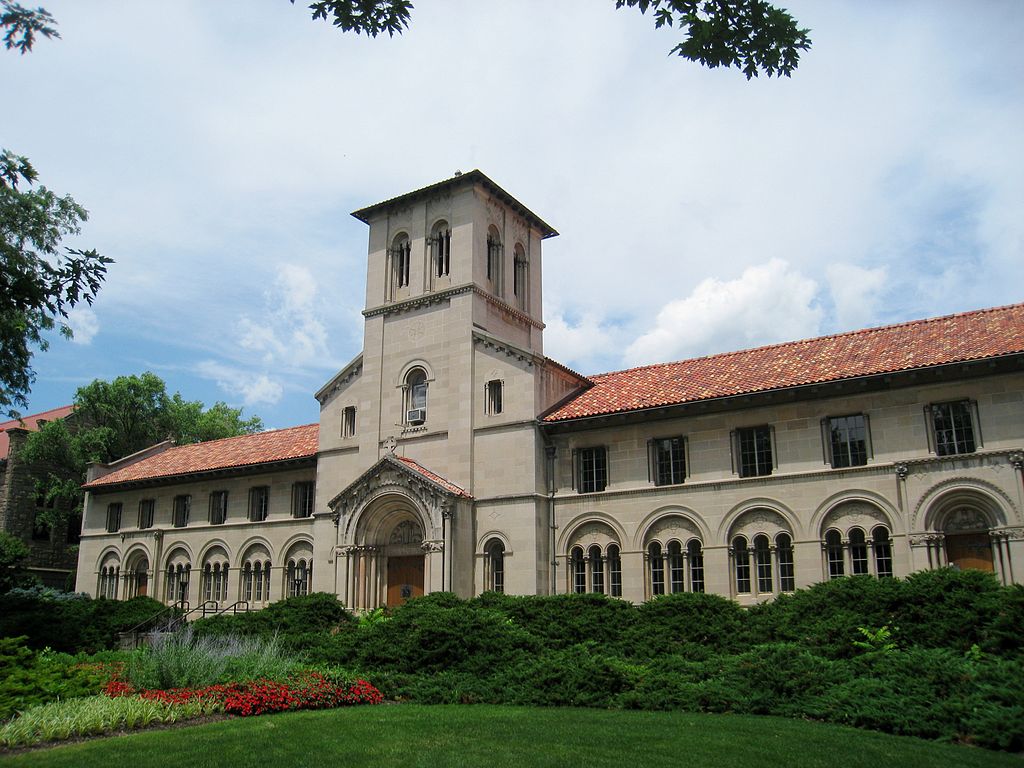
977	335
30	423
448	485
229	453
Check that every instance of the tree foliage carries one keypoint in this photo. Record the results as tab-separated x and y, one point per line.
38	284
752	35
114	419
22	24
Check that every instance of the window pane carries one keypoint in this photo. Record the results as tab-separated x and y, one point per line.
742	558
784	548
848	435
883	552
755	449
954	430
834	554
696	557
657	569
615	571
593	469
670	463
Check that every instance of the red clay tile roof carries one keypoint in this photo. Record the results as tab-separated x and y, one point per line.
229	453
974	335
30	423
448	485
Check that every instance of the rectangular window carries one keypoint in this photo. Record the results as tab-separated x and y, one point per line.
668	460
182	510
752	451
147	509
348	422
592	469
218	507
952	427
113	517
259	503
846	440
303	496
492	397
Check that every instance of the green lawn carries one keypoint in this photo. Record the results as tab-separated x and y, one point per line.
492	737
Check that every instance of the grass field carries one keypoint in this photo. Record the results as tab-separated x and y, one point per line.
491	736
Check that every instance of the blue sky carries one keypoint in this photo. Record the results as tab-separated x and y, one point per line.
220	147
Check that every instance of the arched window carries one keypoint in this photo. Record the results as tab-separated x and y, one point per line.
696	556
521	278
784	552
416	396
177	582
300	577
494	566
614	571
741	557
495	254
578	570
441	249
401	258
657	565
834	554
858	553
675	567
596	563
763	559
110	574
256	581
882	547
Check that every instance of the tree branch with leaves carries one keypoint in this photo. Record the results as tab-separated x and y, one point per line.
752	35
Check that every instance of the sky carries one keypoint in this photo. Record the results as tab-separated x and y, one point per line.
220	148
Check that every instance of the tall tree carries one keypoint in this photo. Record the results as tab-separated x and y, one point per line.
38	283
114	419
752	35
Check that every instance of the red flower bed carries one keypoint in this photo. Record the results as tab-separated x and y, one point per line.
310	691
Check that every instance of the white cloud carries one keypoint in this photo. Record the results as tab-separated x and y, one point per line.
252	388
857	294
84	324
581	343
768	303
289	331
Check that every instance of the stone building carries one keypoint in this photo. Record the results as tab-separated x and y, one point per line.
53	552
452	454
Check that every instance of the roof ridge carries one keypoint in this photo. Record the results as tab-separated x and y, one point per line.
810	339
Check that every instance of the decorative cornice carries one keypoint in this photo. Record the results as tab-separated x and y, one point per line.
426	300
490	342
343	377
506	307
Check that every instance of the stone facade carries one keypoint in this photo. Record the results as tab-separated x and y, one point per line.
53	551
440	467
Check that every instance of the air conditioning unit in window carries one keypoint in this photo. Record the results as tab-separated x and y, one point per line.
416	416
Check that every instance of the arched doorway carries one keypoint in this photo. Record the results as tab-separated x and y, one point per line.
137	581
968	543
405	560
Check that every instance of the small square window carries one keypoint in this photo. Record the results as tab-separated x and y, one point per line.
953	427
259	503
114	517
668	460
147	507
591	469
303	497
493	397
182	510
846	440
752	451
348	422
218	507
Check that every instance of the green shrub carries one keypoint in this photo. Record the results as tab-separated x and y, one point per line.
577	676
72	625
28	678
561	621
671	624
292	620
435	633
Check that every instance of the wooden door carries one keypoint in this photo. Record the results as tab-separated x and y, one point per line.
405	578
969	550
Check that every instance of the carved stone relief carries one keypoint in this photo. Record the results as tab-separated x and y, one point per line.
759	521
854	514
406	532
593	533
674	527
965	519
